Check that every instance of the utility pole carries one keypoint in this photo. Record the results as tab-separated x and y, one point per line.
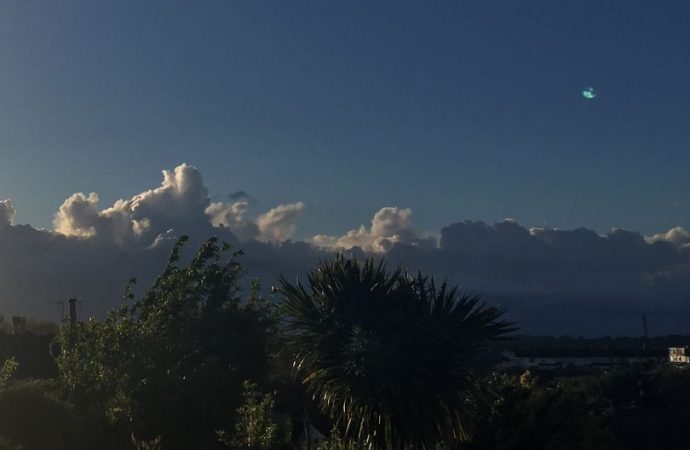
72	312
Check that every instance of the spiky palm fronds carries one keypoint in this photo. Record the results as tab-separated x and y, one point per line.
388	355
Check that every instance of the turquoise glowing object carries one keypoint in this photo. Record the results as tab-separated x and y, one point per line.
589	93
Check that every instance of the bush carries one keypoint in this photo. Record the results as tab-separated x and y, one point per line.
33	414
169	366
7	370
256	427
516	413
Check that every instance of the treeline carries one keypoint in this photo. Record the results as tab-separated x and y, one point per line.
372	358
537	343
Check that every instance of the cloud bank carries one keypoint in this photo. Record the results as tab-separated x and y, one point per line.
180	204
553	281
92	250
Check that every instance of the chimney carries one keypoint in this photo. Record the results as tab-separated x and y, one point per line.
644	325
72	311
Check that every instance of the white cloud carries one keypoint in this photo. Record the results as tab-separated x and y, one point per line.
678	236
6	213
180	205
389	226
231	216
78	216
278	224
180	202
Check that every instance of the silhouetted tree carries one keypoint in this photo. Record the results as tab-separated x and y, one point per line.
389	356
171	364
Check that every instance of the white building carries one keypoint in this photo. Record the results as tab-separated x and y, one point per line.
679	355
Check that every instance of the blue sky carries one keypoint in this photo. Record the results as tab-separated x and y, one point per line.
457	110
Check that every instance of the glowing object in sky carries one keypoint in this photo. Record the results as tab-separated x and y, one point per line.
589	93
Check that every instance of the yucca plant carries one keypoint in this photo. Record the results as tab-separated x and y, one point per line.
389	356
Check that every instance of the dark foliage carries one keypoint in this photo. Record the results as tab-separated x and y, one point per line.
389	356
171	364
35	415
518	413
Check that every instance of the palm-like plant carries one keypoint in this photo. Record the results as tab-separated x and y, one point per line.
388	355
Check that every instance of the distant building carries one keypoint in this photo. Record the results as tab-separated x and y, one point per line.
679	355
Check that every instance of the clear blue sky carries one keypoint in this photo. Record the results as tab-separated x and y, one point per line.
458	109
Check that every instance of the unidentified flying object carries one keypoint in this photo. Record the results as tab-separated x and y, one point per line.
589	93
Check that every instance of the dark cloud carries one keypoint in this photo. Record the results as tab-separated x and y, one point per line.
558	281
38	266
242	196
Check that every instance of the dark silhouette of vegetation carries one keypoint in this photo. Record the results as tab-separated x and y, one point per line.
383	359
389	356
37	415
519	413
171	364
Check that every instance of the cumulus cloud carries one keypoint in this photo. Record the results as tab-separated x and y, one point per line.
179	202
275	225
389	226
6	213
278	223
232	216
180	205
78	216
678	236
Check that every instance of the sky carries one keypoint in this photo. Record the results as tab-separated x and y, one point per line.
452	137
457	110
